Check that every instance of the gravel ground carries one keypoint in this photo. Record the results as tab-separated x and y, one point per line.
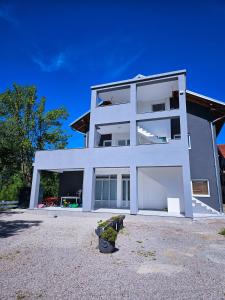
42	257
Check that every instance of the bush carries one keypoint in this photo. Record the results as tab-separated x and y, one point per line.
11	190
222	231
109	234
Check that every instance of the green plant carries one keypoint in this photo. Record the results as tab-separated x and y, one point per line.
115	218
222	231
102	223
11	190
109	234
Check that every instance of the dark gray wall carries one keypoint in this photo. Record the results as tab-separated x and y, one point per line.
202	162
70	183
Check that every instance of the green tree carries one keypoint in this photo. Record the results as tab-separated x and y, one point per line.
25	127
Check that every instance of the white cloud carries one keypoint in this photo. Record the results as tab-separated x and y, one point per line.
55	63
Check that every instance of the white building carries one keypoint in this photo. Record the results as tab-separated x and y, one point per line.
149	147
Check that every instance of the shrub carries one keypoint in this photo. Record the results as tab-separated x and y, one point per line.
109	234
222	231
11	190
103	223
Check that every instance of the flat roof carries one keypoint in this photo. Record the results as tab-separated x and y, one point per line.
142	79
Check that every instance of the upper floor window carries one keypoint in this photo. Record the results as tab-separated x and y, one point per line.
157	96
158	107
113	96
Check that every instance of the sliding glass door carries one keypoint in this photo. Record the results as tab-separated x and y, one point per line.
126	191
106	191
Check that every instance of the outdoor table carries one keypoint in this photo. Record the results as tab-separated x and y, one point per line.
76	198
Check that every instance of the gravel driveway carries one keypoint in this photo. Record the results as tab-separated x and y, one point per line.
42	257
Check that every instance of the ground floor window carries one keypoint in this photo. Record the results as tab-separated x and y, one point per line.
106	191
126	191
200	187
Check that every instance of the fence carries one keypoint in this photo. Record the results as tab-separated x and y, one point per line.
8	204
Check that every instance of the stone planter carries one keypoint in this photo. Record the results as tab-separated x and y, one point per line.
106	246
107	233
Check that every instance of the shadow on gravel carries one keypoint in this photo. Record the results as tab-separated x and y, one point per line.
9	212
10	228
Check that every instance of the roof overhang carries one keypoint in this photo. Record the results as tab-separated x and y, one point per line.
216	107
82	123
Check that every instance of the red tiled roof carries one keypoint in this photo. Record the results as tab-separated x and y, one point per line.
222	149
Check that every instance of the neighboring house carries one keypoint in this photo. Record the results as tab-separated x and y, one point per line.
221	151
149	145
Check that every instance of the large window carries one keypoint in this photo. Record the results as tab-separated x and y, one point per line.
106	191
200	187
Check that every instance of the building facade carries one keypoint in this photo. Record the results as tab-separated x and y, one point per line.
149	145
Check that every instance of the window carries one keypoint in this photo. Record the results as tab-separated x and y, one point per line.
123	142
106	191
189	141
107	143
200	187
176	136
158	107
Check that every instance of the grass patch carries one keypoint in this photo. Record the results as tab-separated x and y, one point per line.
9	255
146	253
222	231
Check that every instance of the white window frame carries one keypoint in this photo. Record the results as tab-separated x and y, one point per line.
107	141
197	195
126	142
189	141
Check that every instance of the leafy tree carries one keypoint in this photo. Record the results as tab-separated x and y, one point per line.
25	127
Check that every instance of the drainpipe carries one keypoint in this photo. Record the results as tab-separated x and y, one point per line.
216	163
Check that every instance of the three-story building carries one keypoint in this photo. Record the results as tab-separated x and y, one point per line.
149	146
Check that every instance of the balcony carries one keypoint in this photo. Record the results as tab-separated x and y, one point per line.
113	96
116	134
161	131
155	97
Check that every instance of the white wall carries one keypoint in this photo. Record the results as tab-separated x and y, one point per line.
155	184
112	171
146	106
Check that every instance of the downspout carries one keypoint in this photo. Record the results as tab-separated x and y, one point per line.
216	162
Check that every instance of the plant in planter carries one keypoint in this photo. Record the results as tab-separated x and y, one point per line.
107	240
119	221
107	233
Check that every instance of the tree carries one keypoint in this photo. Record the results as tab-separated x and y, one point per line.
25	127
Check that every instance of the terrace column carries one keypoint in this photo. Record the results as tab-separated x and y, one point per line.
184	140
119	190
35	188
92	119
88	189
133	191
133	103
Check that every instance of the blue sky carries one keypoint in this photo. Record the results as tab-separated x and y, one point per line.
64	47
